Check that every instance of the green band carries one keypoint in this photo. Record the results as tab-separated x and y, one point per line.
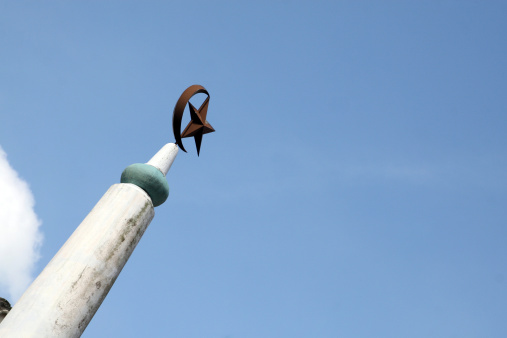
150	179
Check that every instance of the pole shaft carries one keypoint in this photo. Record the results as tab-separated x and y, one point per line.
64	297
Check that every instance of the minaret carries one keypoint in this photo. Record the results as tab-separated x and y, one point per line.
64	297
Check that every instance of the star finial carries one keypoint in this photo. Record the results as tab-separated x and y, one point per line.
198	125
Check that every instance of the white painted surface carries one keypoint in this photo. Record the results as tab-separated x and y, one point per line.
65	296
164	158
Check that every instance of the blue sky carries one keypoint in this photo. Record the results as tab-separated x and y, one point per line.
355	185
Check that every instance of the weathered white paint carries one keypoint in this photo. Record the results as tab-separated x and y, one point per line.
164	158
65	296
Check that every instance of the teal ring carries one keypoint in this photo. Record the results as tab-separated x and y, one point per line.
148	178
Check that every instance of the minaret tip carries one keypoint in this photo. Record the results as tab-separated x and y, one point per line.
164	158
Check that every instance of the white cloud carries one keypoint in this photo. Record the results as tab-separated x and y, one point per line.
20	237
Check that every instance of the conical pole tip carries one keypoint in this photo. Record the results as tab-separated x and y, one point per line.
164	158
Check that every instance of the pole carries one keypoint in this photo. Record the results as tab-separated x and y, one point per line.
63	299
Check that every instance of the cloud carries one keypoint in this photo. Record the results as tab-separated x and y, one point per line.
20	237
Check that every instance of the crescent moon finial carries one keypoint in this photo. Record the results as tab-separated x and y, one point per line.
198	124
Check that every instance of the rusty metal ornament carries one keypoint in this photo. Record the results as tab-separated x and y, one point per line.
198	124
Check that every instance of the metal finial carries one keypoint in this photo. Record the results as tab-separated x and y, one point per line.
198	124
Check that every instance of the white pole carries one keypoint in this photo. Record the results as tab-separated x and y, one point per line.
64	297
